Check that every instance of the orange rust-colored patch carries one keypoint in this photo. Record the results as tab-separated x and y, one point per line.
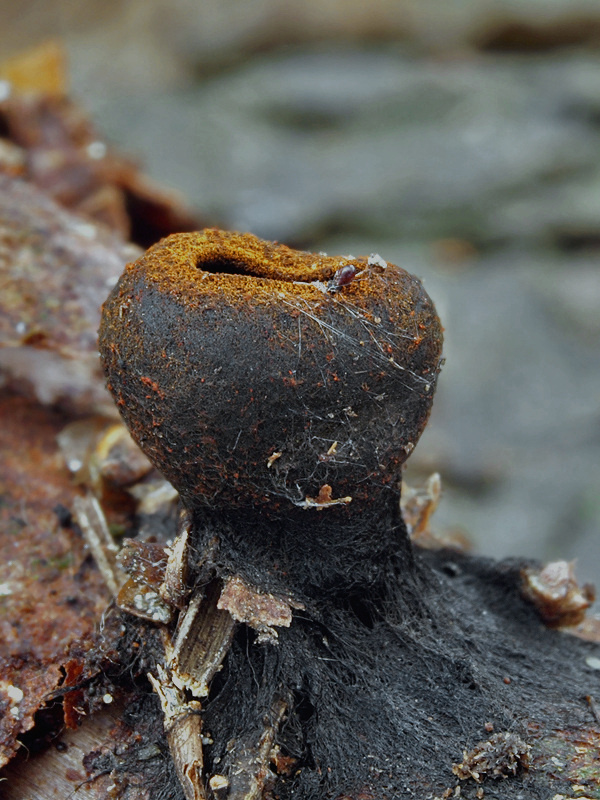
152	385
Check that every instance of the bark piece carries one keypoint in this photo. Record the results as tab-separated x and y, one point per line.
63	154
554	591
55	270
263	612
59	771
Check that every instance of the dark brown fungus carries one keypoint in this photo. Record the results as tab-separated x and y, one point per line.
247	382
254	387
281	393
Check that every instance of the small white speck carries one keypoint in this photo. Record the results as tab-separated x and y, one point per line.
110	282
14	712
130	252
75	464
375	260
5	589
322	253
107	698
85	229
5	90
15	694
593	662
96	150
20	328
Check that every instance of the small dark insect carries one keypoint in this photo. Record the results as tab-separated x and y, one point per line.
342	278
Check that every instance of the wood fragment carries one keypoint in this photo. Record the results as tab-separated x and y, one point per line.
91	520
202	638
249	771
174	587
260	610
418	506
219	786
554	591
183	728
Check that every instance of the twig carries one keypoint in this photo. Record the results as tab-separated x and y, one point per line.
249	770
202	639
91	520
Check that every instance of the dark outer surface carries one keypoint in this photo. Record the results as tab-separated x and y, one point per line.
223	350
398	702
386	696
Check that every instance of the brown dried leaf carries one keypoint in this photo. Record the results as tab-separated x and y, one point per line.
51	596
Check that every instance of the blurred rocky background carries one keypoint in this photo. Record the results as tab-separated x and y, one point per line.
458	139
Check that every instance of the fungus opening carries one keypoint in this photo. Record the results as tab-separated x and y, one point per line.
231	266
223	266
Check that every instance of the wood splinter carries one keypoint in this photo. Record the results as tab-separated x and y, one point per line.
183	729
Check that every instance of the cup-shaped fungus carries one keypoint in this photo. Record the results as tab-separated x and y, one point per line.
259	378
281	392
253	374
